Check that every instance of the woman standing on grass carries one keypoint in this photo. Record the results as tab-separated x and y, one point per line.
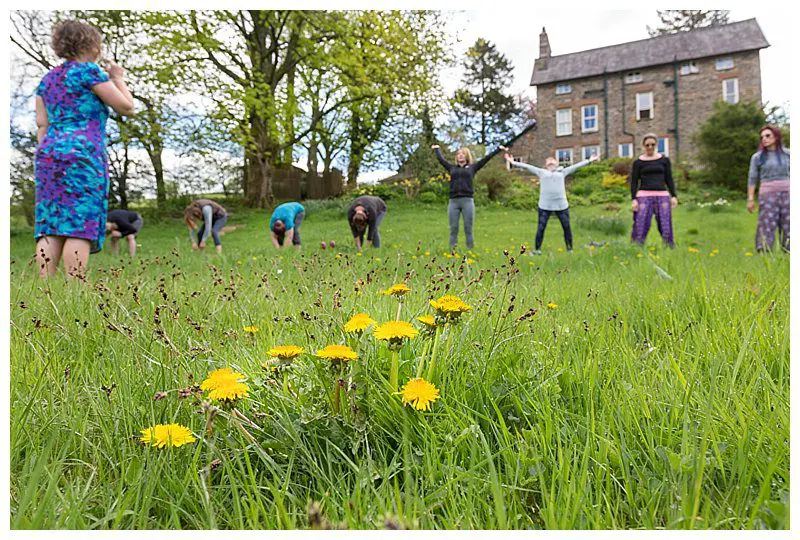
70	164
366	211
552	194
653	192
123	224
284	225
770	167
214	217
462	176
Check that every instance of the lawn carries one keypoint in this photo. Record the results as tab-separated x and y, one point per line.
610	387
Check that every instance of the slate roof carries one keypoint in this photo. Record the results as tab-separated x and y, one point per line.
710	41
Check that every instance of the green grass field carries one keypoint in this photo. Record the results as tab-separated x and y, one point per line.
584	390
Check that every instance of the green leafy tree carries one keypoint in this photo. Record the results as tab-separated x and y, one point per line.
482	107
681	20
727	139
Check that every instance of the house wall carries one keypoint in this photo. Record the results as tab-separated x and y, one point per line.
696	95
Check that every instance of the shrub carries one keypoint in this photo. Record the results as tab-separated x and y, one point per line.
621	166
429	197
496	178
727	139
614	180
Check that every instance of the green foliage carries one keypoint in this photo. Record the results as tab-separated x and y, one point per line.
727	140
682	20
607	225
483	108
496	178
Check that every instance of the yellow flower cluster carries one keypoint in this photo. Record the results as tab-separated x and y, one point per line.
397	290
224	385
251	329
420	394
427	320
337	352
395	332
358	323
285	352
162	435
450	306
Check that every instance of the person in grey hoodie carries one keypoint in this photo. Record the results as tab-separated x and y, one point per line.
769	168
552	194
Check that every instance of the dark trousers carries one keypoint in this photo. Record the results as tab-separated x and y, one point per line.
216	227
298	219
376	233
563	217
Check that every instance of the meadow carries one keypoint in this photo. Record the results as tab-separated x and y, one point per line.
611	387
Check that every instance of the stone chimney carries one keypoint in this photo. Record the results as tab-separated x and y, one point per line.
544	45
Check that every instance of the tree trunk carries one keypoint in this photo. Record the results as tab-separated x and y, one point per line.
158	170
122	181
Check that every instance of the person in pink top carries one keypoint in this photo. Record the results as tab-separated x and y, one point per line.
652	192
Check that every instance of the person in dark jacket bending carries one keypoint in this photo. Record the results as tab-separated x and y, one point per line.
123	224
365	215
462	176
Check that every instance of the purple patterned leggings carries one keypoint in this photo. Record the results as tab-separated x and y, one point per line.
643	217
773	215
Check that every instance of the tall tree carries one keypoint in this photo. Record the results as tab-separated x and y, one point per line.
681	20
481	105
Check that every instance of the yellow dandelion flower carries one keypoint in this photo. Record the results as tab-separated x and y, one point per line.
748	254
420	394
285	352
358	323
252	329
450	306
470	261
427	253
427	320
230	391
693	250
395	332
162	435
397	290
224	384
337	352
552	305
358	254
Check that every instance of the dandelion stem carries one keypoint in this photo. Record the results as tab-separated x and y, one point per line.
433	353
394	370
399	307
422	358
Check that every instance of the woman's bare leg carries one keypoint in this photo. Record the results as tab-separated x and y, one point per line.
76	257
132	245
48	253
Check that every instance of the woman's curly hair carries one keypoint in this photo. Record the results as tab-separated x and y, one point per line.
71	39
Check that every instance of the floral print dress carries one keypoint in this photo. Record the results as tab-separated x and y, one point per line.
70	163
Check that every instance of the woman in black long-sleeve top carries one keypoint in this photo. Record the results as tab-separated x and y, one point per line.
462	176
652	192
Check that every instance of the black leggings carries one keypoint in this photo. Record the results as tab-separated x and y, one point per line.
563	217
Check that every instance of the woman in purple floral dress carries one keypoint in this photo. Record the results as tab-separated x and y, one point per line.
70	163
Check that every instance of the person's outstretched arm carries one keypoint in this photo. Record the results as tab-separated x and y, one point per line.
572	168
287	238
446	164
485	159
530	168
274	238
208	218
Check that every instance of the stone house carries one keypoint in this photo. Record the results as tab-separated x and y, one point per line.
603	100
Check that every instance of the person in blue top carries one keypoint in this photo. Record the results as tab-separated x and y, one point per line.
70	163
284	225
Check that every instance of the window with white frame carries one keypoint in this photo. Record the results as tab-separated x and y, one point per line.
589	118
724	62
730	90
633	77
563	88
589	151
625	150
644	106
687	68
564	156
663	146
564	122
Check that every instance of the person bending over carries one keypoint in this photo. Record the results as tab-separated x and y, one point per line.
365	215
284	225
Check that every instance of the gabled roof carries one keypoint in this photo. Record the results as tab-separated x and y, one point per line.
710	41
